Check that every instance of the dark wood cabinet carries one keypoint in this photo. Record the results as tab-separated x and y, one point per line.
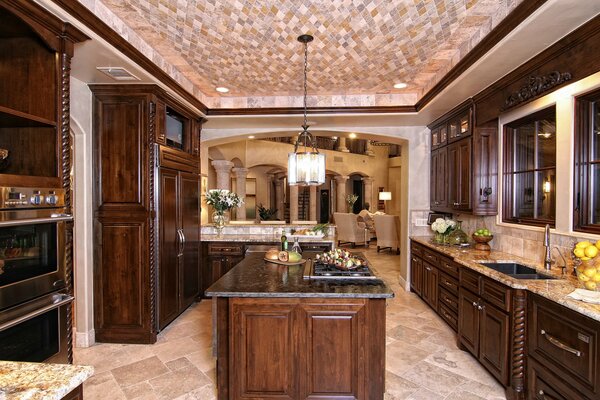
468	321
218	259
301	348
416	275
494	342
563	346
463	175
146	214
430	285
179	219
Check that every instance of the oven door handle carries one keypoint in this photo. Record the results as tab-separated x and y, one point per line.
30	221
64	299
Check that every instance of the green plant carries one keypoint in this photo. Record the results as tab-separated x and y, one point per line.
266	214
321	228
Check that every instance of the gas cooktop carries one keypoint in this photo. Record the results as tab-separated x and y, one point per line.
317	270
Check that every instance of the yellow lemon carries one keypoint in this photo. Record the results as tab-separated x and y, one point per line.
591	251
579	252
583	244
598	243
596	278
582	277
589	271
585	258
590	285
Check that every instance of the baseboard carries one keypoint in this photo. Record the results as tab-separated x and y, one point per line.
403	283
85	339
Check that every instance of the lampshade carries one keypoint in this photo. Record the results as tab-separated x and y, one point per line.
385	195
306	168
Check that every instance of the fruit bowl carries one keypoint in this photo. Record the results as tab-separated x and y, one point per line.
588	274
481	242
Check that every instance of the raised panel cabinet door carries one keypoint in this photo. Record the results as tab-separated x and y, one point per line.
189	206
333	351
416	274
430	285
439	178
169	248
468	321
464	168
264	356
494	342
485	170
433	169
217	266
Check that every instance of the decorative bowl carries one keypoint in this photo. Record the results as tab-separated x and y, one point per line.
481	242
588	274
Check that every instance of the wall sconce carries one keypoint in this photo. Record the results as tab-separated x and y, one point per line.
546	186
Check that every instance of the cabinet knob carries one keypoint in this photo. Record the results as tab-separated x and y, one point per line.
475	304
541	392
456	203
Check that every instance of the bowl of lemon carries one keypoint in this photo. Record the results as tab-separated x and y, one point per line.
588	269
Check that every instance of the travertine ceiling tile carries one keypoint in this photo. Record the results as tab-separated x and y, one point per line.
361	47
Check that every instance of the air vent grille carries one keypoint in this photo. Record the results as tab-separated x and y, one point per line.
338	159
118	73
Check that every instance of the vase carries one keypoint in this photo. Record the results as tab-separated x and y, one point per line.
219	221
439	238
457	237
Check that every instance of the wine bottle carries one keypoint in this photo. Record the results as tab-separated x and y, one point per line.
284	241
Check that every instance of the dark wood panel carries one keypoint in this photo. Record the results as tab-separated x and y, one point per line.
496	293
416	274
459	175
430	285
170	242
449	315
543	385
448	299
494	343
485	169
189	206
468	321
470	280
22	161
448	283
178	159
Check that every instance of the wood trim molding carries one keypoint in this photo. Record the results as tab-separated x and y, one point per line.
313	110
89	19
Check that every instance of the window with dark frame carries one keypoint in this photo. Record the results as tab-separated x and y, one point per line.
586	213
529	169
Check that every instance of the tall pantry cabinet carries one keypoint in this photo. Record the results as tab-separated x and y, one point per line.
146	211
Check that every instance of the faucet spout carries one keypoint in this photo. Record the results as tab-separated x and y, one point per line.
548	256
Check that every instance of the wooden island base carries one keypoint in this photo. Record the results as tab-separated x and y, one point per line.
300	348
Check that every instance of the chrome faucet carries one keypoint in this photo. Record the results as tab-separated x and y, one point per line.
564	261
548	257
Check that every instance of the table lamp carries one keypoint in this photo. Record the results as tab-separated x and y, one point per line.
385	196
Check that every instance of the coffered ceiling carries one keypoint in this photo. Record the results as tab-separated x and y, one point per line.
361	47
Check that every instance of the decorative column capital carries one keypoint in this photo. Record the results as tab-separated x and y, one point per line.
240	172
367	179
341	178
222	165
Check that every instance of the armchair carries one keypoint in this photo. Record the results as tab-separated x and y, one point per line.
349	230
387	228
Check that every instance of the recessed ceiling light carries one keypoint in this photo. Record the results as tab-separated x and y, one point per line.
400	85
251	137
334	137
222	89
352	136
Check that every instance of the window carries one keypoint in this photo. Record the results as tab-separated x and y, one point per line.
587	164
530	169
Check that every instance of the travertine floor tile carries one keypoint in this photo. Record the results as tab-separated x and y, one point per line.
139	371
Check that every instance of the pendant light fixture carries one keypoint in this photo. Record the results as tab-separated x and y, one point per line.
306	166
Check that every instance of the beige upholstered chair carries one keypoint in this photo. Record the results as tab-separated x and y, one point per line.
349	230
366	217
388	232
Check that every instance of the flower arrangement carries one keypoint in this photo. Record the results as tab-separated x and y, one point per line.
351	199
442	227
223	200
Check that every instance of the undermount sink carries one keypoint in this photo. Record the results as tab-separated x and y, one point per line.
515	270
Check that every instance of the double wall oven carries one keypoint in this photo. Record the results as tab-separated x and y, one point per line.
34	306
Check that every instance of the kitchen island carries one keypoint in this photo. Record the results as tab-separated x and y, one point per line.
279	335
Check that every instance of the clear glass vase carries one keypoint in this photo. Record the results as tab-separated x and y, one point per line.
457	237
218	218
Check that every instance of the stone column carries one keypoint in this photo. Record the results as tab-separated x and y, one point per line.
279	198
368	191
341	193
312	208
223	168
240	188
369	149
293	203
342	145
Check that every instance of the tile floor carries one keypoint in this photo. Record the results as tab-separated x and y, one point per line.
423	361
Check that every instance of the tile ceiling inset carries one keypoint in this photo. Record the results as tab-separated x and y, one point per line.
361	47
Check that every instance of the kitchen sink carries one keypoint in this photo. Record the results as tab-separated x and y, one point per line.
515	270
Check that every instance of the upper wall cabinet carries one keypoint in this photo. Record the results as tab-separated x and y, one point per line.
35	56
463	164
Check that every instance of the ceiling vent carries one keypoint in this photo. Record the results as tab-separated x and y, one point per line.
118	73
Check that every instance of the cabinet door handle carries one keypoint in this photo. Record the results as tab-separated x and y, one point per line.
447	283
480	307
428	268
180	235
475	304
182	241
554	341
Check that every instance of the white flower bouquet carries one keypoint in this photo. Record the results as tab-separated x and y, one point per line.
443	226
223	200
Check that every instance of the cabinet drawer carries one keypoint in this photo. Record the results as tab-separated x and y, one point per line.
469	280
449	267
216	249
496	293
566	343
450	316
448	283
543	385
430	256
416	249
449	300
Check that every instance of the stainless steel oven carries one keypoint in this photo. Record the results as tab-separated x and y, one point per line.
32	244
36	331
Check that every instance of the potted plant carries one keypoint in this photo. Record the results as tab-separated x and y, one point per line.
351	199
266	214
222	200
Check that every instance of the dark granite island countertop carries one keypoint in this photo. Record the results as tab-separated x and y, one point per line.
255	277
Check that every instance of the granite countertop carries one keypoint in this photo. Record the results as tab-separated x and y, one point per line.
552	289
40	381
254	277
268	238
